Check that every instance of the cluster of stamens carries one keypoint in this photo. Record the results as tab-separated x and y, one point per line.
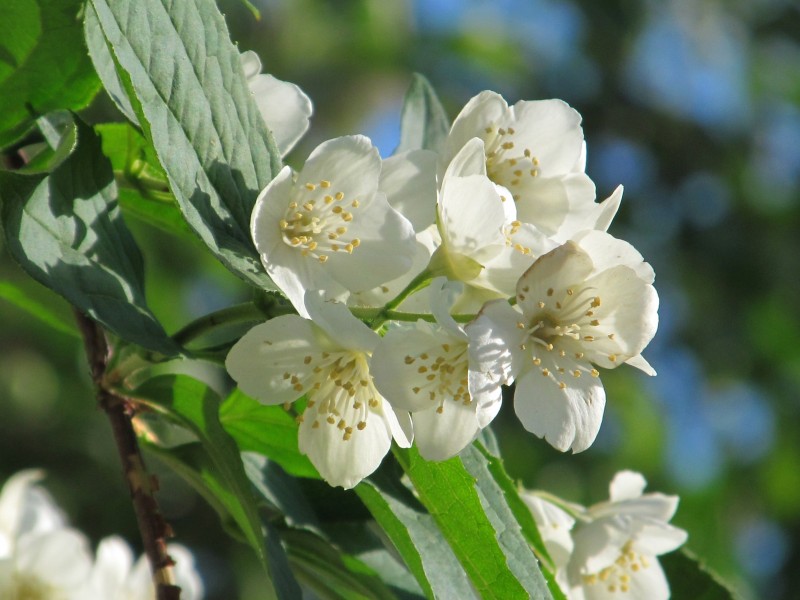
445	374
340	393
510	231
505	165
317	219
617	577
562	327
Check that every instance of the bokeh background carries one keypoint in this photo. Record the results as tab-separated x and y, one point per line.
693	106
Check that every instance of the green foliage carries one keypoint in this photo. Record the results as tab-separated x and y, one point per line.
268	430
479	533
43	63
194	106
214	459
65	230
415	535
690	580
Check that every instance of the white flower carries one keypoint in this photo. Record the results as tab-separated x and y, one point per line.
116	577
535	149
347	426
614	544
329	227
424	369
574	309
284	107
53	565
481	241
26	508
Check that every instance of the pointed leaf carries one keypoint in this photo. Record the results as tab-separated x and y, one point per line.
689	578
475	520
416	537
65	230
183	76
424	123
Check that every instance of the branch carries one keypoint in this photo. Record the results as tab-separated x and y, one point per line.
152	526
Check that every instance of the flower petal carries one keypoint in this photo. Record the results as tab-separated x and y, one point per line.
409	182
285	108
554	526
351	164
551	129
344	462
567	417
626	485
345	330
442	435
270	359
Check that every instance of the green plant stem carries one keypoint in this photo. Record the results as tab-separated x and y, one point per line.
239	313
381	315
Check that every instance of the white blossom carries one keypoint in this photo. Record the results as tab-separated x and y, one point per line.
574	310
347	426
481	242
115	576
41	558
329	227
534	149
284	107
424	369
614	544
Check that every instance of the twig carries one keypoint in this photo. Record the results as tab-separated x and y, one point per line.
152	526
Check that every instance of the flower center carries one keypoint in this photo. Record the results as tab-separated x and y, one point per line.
341	393
617	577
30	587
316	221
506	165
560	329
445	374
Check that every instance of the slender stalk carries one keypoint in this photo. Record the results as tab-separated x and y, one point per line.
152	526
238	313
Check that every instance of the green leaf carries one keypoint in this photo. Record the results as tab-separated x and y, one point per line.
43	63
194	105
280	490
690	579
18	297
268	430
478	525
424	123
329	572
60	131
511	518
194	405
65	230
144	189
415	536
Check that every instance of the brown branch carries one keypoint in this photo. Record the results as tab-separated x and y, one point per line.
152	526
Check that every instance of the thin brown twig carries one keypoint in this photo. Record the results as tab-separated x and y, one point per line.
152	526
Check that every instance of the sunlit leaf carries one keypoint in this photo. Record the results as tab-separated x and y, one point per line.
477	523
194	105
416	537
268	430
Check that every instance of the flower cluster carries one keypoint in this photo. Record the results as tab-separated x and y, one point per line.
425	281
610	548
42	558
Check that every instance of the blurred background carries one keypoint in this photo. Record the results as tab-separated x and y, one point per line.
693	106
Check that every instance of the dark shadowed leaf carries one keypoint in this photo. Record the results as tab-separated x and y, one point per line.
66	231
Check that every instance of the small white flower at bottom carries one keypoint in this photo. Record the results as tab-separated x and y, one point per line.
615	544
347	426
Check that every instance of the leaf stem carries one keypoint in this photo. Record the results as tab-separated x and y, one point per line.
238	313
152	526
